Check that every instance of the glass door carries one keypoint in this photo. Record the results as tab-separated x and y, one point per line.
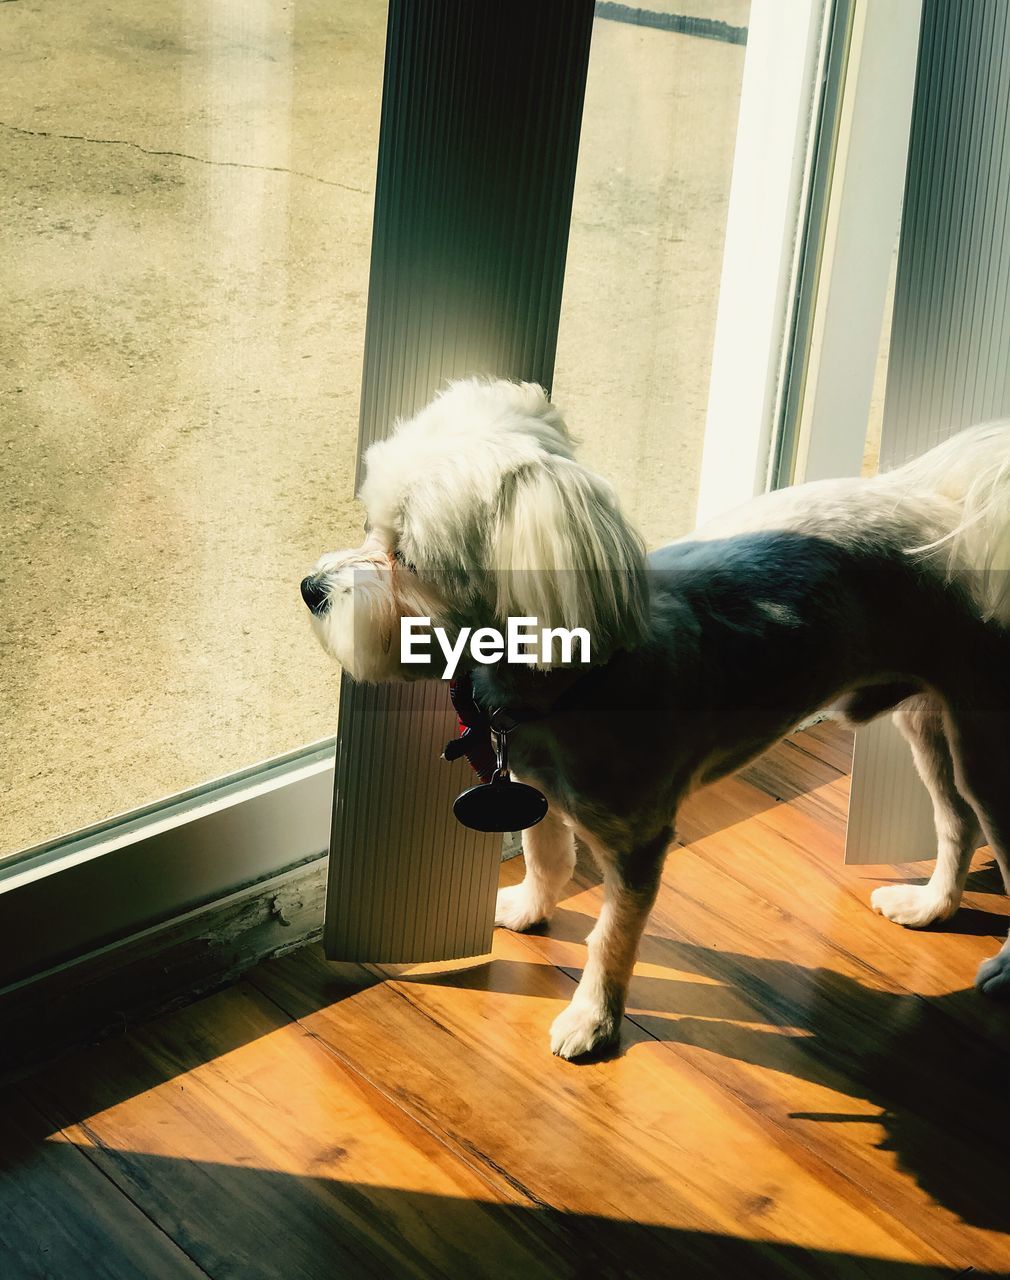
188	204
185	275
187	194
645	256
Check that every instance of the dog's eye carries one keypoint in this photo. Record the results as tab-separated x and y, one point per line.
400	559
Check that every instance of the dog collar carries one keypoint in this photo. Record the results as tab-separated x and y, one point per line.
474	724
478	727
496	803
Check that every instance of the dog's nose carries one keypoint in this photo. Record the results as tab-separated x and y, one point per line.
314	594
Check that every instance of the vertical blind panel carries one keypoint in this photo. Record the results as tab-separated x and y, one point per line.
481	110
949	362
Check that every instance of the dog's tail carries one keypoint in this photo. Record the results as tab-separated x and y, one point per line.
970	476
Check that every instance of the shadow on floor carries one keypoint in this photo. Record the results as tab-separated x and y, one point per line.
255	1224
933	1068
936	1068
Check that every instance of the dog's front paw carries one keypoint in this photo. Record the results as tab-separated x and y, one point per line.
913	905
583	1028
993	977
519	908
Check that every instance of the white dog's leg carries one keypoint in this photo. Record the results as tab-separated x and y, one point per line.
549	853
593	1019
993	977
978	742
917	905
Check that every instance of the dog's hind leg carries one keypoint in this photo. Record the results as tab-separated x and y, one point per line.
980	742
592	1021
549	852
920	719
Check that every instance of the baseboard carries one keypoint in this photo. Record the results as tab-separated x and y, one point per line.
511	845
105	991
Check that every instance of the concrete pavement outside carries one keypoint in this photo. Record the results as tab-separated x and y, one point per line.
186	195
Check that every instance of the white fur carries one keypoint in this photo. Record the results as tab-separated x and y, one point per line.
915	905
993	977
971	472
361	625
480	493
549	854
950	506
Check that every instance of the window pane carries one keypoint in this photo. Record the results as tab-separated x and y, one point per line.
645	257
187	193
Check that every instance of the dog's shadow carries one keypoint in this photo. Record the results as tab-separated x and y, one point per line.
936	1069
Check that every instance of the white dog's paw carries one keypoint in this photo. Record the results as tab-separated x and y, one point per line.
518	908
582	1028
993	977
914	905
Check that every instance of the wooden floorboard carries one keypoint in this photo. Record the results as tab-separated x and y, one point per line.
803	1089
262	1155
828	741
868	1079
61	1217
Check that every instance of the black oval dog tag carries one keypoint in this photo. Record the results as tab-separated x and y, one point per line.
500	805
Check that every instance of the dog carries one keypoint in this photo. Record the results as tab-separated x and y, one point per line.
861	596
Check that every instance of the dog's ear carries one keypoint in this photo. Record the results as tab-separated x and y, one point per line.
562	552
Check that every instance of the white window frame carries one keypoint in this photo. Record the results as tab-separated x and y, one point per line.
860	234
71	896
814	211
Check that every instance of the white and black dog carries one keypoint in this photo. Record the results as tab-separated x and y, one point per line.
887	594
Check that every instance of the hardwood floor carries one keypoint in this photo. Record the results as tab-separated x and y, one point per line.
803	1089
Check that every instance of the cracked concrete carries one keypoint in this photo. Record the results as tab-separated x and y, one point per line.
185	191
180	155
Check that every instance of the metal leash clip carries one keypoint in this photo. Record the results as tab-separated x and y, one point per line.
500	739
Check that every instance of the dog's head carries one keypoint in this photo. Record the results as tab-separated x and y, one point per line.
477	512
